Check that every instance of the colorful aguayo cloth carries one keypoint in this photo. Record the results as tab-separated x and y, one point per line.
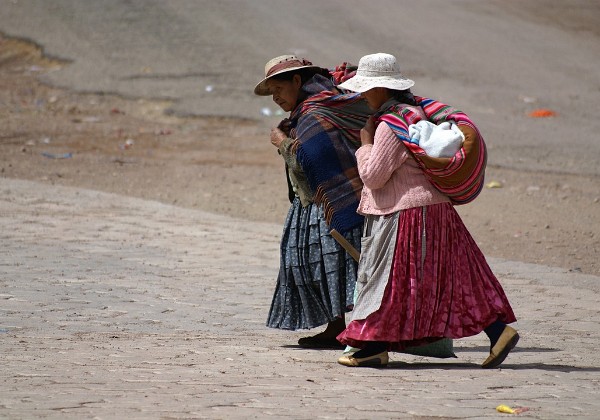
460	177
326	127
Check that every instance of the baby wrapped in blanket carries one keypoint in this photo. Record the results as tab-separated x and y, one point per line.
442	140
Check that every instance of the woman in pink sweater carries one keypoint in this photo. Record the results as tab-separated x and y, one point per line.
421	276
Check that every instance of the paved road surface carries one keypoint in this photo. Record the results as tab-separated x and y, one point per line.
114	307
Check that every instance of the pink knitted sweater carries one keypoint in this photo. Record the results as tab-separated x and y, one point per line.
392	179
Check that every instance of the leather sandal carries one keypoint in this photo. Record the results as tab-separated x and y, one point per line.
377	360
507	341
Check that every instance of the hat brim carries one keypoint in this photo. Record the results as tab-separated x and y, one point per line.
261	88
362	84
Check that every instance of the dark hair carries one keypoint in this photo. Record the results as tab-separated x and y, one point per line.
404	96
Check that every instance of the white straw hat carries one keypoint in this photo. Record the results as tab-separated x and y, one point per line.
377	70
278	65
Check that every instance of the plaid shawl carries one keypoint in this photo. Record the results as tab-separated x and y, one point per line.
459	177
326	127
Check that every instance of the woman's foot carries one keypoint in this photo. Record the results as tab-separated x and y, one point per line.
500	349
371	348
326	339
373	355
320	341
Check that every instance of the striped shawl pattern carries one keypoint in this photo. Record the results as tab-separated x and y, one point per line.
460	177
327	132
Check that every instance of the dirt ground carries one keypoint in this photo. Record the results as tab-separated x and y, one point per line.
227	166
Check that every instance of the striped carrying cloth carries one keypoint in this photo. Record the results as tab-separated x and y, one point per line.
326	127
459	177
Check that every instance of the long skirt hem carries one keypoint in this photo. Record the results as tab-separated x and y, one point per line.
439	285
317	276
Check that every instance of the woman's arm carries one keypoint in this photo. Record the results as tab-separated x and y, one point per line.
378	161
284	146
286	150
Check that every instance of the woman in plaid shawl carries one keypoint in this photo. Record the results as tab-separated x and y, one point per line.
421	275
316	280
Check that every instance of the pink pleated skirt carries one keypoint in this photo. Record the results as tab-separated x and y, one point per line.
439	285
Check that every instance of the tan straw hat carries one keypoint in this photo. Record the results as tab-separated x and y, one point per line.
278	65
377	70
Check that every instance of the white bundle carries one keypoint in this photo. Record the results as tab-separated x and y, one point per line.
442	140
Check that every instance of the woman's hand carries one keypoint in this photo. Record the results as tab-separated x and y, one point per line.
277	137
285	125
367	133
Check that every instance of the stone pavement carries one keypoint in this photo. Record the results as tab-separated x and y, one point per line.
114	307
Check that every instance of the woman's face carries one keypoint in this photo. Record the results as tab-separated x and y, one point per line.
376	97
285	93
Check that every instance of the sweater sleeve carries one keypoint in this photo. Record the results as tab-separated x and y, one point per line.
378	161
286	150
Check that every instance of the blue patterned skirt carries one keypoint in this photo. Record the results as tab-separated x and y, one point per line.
316	275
